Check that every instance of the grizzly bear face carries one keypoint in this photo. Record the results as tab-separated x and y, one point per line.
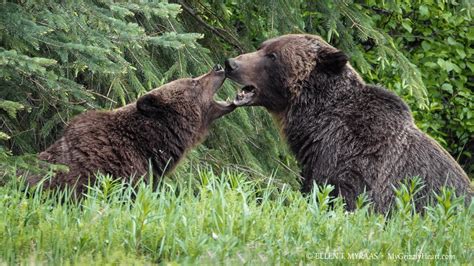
191	98
275	73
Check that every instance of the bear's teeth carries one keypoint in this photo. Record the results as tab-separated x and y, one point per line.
241	95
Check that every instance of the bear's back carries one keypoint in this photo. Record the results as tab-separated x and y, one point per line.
92	143
368	140
392	148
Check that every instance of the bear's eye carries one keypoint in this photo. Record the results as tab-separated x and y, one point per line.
272	56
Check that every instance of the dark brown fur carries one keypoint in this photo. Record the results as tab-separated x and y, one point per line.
343	132
158	129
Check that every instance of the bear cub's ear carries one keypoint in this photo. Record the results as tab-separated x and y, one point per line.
150	105
331	60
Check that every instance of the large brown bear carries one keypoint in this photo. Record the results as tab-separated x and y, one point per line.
158	129
343	132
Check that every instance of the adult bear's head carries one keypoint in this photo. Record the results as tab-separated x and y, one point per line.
189	98
280	68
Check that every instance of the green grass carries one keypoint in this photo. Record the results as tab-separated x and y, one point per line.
206	218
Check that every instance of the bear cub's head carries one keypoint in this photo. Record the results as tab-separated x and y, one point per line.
188	98
275	73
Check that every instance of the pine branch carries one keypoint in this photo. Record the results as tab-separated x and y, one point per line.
235	43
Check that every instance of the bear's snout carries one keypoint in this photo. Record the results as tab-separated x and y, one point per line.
230	65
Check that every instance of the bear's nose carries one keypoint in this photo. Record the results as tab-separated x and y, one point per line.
230	65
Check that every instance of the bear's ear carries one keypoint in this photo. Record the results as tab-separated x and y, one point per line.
331	60
150	105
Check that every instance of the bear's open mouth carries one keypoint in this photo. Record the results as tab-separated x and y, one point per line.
245	96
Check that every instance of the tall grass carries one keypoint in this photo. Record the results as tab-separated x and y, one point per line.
210	218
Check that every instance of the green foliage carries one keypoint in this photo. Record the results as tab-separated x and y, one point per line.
406	195
438	37
204	218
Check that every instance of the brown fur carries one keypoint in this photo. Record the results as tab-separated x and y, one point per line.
158	129
343	132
